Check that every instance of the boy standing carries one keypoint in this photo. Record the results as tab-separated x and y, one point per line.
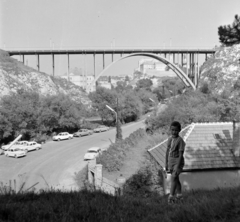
175	161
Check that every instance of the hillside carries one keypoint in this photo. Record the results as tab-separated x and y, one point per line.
222	71
15	75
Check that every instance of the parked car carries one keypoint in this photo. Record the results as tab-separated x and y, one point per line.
1	152
23	142
101	129
63	136
15	152
32	145
5	147
92	153
83	132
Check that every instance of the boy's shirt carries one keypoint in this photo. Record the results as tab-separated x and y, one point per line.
175	145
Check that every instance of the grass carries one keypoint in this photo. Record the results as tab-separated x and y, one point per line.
198	206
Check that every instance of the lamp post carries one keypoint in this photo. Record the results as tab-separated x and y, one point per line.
152	100
110	108
118	126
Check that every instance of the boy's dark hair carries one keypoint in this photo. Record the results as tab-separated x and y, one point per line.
177	124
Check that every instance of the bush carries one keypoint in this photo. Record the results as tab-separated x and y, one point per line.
192	106
147	182
113	157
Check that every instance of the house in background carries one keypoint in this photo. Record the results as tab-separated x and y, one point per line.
84	81
212	156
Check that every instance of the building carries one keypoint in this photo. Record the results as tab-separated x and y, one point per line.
153	67
212	156
84	81
150	64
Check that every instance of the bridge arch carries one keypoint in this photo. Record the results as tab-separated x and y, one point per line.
186	80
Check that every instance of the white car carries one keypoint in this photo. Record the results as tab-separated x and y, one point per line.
18	144
83	132
5	147
92	153
22	143
63	136
29	146
15	152
101	129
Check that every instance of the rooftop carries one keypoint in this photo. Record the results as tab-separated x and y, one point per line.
208	146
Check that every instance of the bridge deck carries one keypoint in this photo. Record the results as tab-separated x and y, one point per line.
108	51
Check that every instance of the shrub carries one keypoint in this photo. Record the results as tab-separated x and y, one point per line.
147	182
113	157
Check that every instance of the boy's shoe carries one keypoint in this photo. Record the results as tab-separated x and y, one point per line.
171	199
179	198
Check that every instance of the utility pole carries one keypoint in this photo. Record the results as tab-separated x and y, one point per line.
118	126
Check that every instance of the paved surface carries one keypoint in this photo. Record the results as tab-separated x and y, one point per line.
55	164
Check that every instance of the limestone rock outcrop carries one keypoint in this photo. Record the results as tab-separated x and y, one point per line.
222	70
14	75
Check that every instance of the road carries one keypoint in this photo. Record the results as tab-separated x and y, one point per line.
55	164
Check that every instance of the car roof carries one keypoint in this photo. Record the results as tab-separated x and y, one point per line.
94	148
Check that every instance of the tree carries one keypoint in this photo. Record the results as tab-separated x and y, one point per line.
132	107
173	85
230	34
236	85
27	113
21	109
144	96
144	84
102	97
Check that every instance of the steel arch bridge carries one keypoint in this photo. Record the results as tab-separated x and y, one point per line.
180	58
185	79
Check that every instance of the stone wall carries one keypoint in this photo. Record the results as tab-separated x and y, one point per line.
95	177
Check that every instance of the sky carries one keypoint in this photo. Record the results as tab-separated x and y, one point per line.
106	24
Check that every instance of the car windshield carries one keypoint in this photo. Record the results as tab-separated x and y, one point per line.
16	149
92	151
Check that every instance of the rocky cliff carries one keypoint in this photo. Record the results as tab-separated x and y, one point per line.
15	75
222	70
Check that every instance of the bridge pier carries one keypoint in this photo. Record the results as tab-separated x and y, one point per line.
94	65
53	64
68	65
38	62
103	60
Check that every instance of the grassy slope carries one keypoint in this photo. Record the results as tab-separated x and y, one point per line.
134	155
217	205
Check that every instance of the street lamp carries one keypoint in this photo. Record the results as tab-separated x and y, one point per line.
112	111
152	100
118	125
